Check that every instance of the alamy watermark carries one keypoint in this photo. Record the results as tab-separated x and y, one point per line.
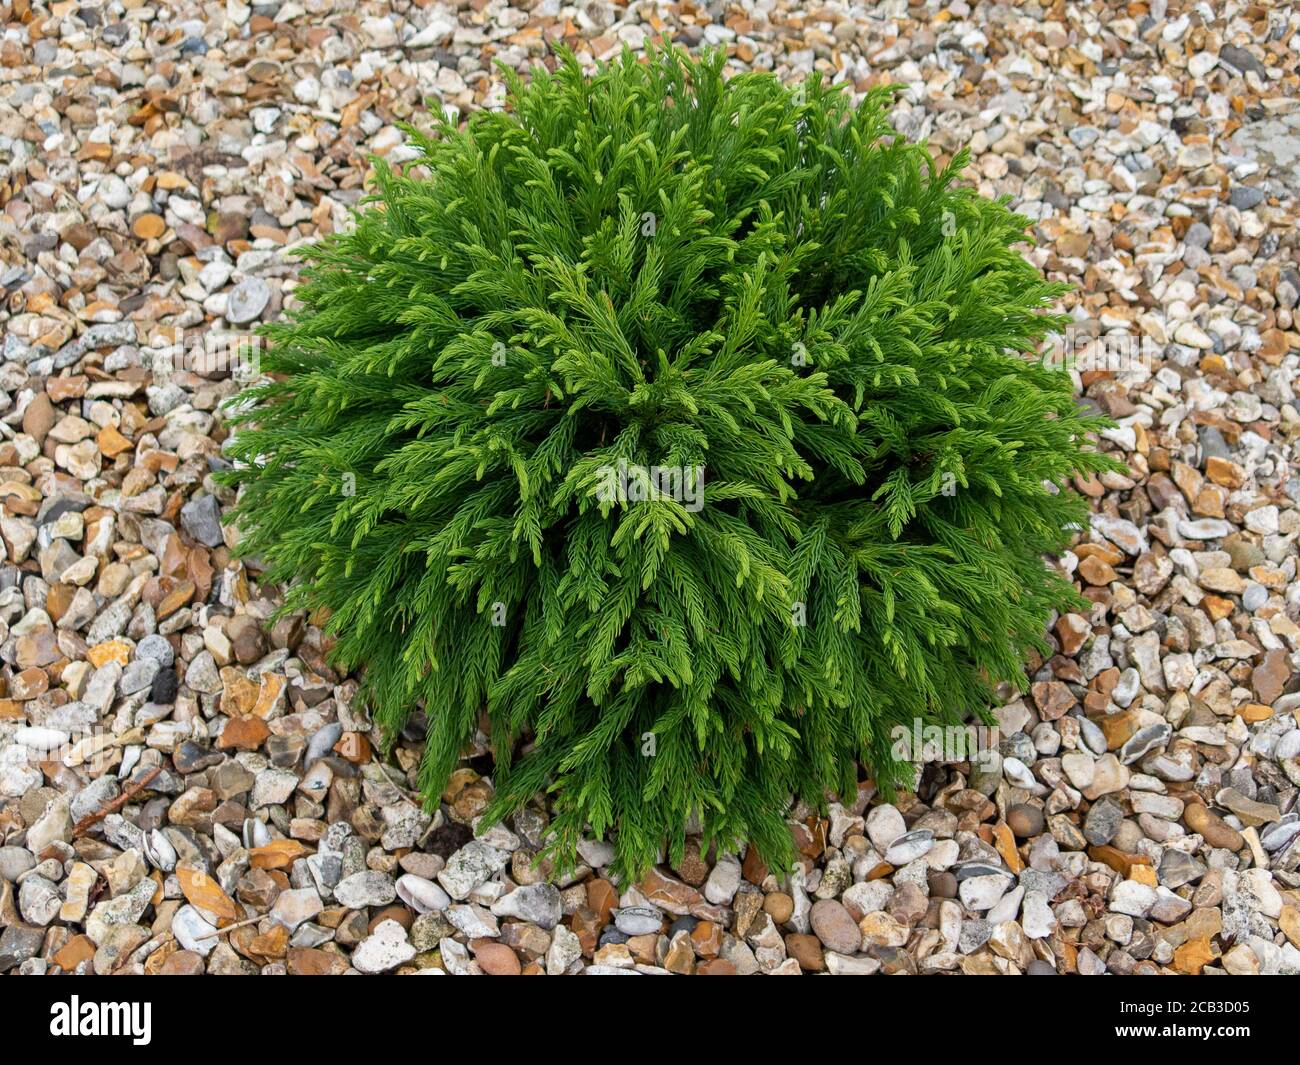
627	482
213	353
75	1018
945	743
1079	350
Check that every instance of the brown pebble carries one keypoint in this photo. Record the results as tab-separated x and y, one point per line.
245	634
400	914
1217	832
39	417
779	906
943	885
149	227
496	959
807	951
183	963
753	868
1025	820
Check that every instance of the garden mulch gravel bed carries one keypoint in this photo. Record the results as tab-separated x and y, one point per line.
183	790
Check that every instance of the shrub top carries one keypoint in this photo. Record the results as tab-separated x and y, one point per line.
687	426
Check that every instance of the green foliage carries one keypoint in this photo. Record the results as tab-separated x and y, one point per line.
658	267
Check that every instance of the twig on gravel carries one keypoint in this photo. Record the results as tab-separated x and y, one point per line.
128	793
232	927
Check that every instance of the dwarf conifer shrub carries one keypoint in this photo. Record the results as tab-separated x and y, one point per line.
690	428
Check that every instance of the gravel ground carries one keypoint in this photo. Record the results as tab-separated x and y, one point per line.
183	791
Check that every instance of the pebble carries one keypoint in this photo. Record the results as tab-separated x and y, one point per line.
884	825
638	920
834	927
366	888
296	906
723	881
194	932
383	950
539	904
1025	820
1132	898
423	896
910	846
982	893
469	867
201	519
1102	822
247	301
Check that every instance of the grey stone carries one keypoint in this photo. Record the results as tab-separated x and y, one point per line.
18	943
1178	868
638	920
1245	197
106	335
322	742
14	861
1242	59
1144	741
538	903
473	921
247	300
471	866
126	909
272	787
367	888
138	676
564	951
201	518
1102	822
38	900
155	648
974	934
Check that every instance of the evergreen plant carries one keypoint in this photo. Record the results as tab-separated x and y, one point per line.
692	428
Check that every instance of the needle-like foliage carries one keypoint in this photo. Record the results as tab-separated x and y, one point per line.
690	427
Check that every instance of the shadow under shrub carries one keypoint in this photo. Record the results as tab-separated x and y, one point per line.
691	427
